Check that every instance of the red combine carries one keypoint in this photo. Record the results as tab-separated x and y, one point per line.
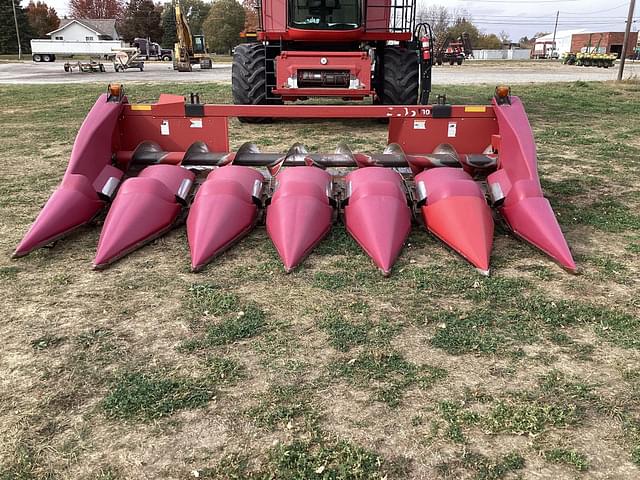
446	165
351	49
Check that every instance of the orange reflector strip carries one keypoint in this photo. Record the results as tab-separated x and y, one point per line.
475	109
141	107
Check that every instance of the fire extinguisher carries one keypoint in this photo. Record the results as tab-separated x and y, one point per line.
425	42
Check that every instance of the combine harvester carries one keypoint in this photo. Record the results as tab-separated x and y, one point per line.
442	163
445	164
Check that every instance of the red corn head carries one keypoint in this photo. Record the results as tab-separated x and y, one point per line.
88	182
456	211
224	210
377	215
515	186
145	208
300	214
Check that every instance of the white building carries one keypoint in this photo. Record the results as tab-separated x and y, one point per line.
85	30
563	40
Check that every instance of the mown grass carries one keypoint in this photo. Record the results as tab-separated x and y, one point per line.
333	371
573	458
389	375
311	459
483	468
150	396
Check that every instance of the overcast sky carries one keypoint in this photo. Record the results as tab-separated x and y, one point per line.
520	17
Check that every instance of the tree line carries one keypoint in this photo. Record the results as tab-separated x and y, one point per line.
452	23
221	21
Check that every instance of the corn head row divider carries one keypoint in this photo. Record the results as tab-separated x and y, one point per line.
448	165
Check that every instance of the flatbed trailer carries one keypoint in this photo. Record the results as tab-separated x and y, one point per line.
45	50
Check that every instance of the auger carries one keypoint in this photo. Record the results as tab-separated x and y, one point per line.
449	167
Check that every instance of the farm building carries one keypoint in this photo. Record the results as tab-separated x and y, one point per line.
563	40
85	30
605	42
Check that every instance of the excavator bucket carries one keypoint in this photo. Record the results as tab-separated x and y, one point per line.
451	168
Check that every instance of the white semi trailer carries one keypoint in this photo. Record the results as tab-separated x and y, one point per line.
48	50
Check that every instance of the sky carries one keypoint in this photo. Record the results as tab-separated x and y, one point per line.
521	18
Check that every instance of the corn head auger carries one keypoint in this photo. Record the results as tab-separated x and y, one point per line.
448	165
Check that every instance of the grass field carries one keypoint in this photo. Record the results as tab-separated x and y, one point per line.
146	370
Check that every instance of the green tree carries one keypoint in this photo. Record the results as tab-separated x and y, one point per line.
223	25
141	19
169	35
489	42
463	25
195	11
8	40
42	18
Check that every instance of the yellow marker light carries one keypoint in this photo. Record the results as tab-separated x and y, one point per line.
141	107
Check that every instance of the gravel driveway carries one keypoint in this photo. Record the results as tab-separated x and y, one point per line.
470	73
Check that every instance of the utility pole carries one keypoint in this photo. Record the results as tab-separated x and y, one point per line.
627	32
555	30
15	19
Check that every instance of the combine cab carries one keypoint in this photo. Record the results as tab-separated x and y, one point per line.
351	49
446	167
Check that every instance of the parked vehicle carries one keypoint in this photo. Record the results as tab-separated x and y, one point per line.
600	60
190	49
356	50
545	50
151	50
43	50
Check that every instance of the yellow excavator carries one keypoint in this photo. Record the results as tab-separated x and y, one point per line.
189	49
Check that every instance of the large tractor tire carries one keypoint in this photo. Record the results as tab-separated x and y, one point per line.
249	78
400	76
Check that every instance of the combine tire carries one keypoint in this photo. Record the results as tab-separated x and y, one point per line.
249	77
400	70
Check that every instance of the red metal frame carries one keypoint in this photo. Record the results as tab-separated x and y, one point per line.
288	63
469	129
